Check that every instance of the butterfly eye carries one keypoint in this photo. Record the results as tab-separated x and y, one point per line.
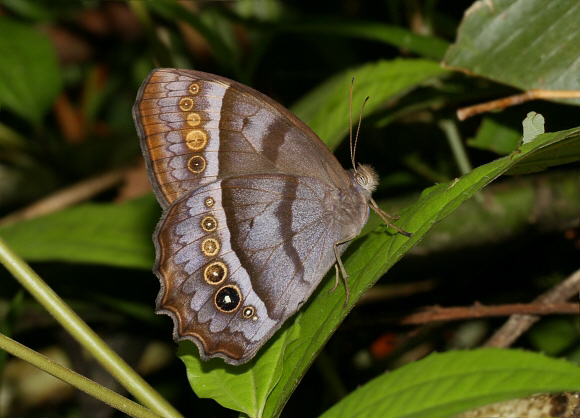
362	179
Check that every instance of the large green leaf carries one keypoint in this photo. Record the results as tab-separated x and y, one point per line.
366	260
529	44
113	234
29	75
442	385
326	108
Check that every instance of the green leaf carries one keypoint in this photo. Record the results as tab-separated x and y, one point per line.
554	148
428	46
442	385
246	388
533	126
366	260
529	44
117	235
554	335
495	136
29	9
326	108
29	75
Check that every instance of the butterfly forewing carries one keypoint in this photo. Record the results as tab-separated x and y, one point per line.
197	127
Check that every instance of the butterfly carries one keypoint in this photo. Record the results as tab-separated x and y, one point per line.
256	209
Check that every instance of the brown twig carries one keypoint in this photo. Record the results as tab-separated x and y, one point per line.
69	196
480	311
518	324
466	112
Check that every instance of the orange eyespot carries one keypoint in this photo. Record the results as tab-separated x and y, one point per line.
215	273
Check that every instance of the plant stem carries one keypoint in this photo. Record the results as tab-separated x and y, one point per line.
80	382
450	129
81	332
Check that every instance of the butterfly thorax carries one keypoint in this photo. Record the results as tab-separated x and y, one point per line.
352	210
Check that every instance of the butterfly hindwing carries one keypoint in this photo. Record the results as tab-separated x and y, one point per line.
248	239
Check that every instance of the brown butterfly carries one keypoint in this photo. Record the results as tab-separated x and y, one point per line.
256	209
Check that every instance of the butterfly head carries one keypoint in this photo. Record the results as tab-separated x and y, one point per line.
367	178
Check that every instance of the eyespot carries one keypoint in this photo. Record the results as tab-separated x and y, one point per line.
196	164
215	273
210	247
196	140
186	104
193	119
209	223
248	312
228	298
194	88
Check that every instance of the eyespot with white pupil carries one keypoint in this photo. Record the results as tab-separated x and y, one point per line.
196	140
228	298
209	223
194	88
186	104
196	164
215	273
248	312
210	247
193	119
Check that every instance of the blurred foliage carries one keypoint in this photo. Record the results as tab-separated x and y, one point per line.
69	73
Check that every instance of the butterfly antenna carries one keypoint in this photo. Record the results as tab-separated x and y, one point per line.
353	150
350	125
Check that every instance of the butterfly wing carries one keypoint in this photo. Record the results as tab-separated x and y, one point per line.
239	256
253	204
196	128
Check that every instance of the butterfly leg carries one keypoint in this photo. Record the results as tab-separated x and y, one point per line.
385	217
336	280
341	267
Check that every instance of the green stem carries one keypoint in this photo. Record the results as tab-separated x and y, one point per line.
83	334
80	382
450	129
